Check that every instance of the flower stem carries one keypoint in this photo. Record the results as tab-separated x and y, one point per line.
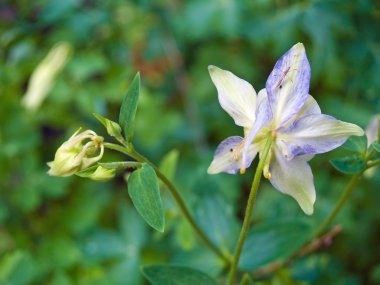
342	200
373	163
130	151
248	211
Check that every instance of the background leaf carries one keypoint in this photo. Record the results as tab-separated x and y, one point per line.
144	192
175	275
349	164
356	144
129	107
376	146
272	241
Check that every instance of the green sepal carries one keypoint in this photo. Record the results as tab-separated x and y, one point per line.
144	192
129	107
349	164
175	275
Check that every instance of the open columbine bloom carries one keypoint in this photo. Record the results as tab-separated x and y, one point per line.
285	111
72	156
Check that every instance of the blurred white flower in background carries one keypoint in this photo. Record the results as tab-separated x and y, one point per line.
43	76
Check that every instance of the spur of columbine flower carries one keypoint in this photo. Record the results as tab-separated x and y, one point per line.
285	111
72	156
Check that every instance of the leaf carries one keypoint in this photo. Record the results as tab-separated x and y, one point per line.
129	107
349	164
144	192
356	144
113	129
272	241
376	146
175	275
246	280
168	164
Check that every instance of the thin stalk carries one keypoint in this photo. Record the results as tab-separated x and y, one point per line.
342	200
129	150
373	163
248	212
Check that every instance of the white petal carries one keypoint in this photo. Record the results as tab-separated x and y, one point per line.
236	96
294	178
288	84
263	118
315	134
227	156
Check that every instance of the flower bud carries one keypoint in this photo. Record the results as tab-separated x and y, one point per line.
72	156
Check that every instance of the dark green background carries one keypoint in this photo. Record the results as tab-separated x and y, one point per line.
74	231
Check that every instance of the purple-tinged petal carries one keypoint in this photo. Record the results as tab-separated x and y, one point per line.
372	131
263	119
288	84
227	156
314	134
294	178
236	96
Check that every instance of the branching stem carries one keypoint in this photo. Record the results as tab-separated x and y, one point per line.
128	150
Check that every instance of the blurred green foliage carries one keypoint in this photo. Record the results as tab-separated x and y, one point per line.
65	231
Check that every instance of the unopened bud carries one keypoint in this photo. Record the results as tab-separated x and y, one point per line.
72	156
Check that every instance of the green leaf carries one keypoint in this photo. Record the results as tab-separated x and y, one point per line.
175	275
129	107
349	164
113	129
246	280
168	164
273	241
144	192
376	146
356	144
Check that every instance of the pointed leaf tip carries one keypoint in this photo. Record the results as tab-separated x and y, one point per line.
129	107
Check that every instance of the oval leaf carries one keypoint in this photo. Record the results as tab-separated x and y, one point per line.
144	192
349	164
356	144
129	107
272	241
175	275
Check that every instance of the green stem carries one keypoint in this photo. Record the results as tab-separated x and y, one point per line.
373	163
120	164
342	200
248	211
131	152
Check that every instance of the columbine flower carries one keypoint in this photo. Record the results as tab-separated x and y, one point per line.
72	156
372	131
285	111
